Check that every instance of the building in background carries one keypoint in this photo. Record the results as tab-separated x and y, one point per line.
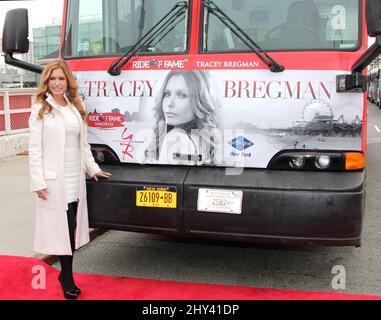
12	77
46	43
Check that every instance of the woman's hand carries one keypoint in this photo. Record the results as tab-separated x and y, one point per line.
42	193
102	174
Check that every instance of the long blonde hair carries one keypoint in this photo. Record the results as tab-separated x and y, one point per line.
71	92
205	105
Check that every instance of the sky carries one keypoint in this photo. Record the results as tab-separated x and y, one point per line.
40	12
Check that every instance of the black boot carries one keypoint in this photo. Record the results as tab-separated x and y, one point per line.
72	222
66	277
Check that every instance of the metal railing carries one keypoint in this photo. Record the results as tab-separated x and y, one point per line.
15	107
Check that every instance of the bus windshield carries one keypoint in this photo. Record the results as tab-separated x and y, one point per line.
112	27
285	25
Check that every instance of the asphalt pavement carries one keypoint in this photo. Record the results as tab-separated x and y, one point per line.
17	207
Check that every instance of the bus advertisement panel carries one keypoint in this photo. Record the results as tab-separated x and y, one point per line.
241	117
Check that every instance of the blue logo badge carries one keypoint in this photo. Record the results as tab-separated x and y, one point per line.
241	143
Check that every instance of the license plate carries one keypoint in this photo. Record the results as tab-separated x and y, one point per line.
156	197
219	200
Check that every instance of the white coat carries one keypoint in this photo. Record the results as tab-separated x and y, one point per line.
46	155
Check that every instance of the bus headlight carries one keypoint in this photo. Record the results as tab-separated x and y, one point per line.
99	156
297	162
104	155
316	161
323	162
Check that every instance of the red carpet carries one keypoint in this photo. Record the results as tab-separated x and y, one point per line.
17	277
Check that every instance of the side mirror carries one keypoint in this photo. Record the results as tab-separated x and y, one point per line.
357	81
15	39
373	17
15	31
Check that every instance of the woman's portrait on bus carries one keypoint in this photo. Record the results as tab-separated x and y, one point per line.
185	113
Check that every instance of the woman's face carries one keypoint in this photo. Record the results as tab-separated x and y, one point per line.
57	83
177	105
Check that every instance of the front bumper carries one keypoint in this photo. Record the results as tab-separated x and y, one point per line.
283	207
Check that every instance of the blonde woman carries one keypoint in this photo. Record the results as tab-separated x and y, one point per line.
59	155
185	113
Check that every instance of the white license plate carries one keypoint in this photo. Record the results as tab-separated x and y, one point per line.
219	200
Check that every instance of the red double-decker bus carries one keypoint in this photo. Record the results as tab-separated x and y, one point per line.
224	119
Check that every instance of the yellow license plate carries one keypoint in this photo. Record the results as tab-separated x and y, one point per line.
156	197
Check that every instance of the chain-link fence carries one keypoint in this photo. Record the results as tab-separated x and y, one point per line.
15	110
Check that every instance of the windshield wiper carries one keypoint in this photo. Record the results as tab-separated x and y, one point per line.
243	36
169	21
